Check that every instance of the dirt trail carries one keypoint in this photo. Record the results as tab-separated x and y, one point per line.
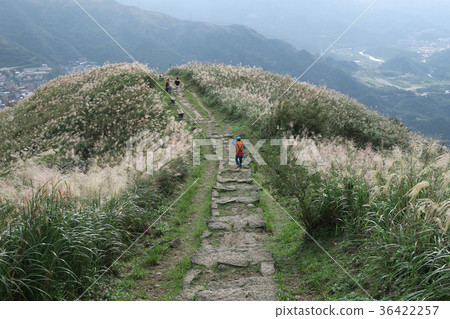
232	263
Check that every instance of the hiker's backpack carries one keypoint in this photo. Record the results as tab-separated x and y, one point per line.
239	148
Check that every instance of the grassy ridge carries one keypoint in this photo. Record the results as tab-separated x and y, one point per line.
56	247
70	203
281	105
86	115
395	213
389	202
369	178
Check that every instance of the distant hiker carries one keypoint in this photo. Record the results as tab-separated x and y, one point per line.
177	85
168	87
240	147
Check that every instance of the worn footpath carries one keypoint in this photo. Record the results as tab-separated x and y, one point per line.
232	263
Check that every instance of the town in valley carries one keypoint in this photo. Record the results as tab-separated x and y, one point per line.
18	83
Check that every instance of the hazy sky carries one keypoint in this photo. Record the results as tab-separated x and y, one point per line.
312	24
232	11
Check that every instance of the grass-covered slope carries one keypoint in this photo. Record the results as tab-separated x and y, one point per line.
70	200
360	179
89	114
281	105
367	183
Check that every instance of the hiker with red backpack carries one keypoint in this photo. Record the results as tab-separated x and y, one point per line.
240	147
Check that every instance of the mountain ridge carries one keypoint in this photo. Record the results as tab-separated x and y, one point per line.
69	186
154	38
56	31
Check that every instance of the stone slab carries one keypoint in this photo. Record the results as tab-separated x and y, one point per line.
236	222
244	200
239	256
190	276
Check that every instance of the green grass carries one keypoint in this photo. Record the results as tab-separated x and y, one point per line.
102	228
304	271
187	222
398	225
310	274
193	101
398	241
380	214
56	247
250	94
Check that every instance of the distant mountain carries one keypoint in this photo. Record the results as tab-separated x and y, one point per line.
314	24
56	31
405	64
12	54
440	58
60	31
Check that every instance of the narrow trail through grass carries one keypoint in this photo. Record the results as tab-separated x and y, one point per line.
302	271
215	250
156	273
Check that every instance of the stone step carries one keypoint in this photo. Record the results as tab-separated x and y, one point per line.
236	175
243	200
229	239
236	223
250	288
239	256
215	201
220	179
236	209
232	194
234	170
243	187
231	164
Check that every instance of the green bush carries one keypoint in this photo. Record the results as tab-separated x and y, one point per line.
297	185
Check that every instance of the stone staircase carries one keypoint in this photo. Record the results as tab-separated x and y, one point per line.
232	263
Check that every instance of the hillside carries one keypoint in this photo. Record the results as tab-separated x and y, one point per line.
274	19
405	65
79	121
275	101
71	203
157	39
13	54
57	31
355	181
71	196
440	64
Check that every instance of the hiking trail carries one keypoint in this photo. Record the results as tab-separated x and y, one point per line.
232	263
